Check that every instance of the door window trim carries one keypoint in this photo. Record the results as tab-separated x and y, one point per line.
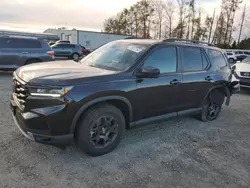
178	65
202	51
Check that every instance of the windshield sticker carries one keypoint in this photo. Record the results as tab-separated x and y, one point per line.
135	49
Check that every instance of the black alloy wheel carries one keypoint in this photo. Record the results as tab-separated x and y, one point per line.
100	129
103	132
211	107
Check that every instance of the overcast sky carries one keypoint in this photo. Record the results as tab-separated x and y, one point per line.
38	15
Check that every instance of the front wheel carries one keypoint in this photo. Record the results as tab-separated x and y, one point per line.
100	130
211	106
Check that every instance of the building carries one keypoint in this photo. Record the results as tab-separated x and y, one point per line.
45	36
88	39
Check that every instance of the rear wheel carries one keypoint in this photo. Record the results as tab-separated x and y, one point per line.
75	56
100	130
211	106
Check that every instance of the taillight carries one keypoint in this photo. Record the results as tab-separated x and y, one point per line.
51	53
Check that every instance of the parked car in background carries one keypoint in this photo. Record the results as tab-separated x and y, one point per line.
121	84
19	51
72	51
85	51
242	72
62	41
231	57
240	55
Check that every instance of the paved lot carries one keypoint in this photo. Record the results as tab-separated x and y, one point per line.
182	152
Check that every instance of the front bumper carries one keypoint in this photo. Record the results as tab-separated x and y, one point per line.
42	136
245	82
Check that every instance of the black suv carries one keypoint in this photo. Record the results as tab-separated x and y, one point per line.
121	84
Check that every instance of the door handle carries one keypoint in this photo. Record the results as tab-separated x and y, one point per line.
25	52
209	78
175	82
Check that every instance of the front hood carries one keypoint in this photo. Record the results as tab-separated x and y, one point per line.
243	67
60	73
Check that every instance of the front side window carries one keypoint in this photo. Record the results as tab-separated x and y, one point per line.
116	55
217	58
192	59
165	59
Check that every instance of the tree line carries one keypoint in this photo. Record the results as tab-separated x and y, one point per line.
161	19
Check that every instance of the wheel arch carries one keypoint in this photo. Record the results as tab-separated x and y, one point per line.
114	100
32	59
222	88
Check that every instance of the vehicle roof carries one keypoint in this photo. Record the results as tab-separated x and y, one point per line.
21	37
154	42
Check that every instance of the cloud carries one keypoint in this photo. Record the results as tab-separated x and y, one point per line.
57	13
81	14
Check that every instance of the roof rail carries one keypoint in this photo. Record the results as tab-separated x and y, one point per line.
187	41
19	36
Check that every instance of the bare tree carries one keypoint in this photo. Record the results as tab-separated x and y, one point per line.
229	8
211	27
242	23
169	10
180	29
159	7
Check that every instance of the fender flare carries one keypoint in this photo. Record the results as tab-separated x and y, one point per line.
227	93
95	101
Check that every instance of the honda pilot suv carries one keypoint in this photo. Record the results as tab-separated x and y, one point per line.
122	84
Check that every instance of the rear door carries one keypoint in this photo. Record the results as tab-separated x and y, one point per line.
14	52
68	49
197	76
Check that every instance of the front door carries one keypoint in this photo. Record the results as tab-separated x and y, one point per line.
158	96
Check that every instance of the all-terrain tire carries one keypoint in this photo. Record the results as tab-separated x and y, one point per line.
211	106
84	131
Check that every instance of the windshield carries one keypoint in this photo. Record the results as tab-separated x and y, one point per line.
117	55
246	60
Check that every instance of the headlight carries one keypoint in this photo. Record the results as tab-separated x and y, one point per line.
50	92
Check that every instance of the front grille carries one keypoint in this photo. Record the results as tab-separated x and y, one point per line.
20	93
246	74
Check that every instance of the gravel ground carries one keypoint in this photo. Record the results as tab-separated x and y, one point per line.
181	152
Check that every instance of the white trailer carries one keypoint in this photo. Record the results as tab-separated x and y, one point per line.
88	39
93	40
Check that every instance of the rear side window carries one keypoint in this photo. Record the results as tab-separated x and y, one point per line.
21	43
229	54
67	46
1	42
217	58
192	59
164	59
72	46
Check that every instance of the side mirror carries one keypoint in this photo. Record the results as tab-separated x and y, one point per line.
148	72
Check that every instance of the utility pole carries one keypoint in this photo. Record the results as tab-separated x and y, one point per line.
211	27
242	23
